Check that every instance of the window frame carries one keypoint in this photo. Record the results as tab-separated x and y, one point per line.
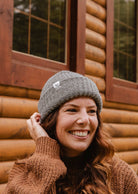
23	70
117	90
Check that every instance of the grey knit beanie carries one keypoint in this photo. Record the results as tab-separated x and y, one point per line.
63	86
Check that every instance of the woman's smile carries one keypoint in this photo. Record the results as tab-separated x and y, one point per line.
79	133
76	125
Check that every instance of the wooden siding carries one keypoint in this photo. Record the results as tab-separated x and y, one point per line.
17	104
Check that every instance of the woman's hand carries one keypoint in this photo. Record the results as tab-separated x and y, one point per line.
35	128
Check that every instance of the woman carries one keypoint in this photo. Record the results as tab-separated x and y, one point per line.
73	154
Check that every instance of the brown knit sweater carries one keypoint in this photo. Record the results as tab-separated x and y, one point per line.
38	173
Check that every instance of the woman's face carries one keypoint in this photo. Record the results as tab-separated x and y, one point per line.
76	125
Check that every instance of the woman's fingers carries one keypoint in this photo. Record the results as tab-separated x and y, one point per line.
30	128
34	126
35	118
29	124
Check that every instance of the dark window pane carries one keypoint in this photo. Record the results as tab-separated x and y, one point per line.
116	69
39	8
116	8
123	11
39	28
131	42
22	5
38	45
20	33
131	69
122	66
116	34
125	39
57	12
132	10
56	44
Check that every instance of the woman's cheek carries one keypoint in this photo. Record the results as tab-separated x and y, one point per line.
94	122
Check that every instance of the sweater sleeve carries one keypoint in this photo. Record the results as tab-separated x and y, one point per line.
38	173
124	179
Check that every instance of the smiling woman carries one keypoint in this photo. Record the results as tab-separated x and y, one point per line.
73	153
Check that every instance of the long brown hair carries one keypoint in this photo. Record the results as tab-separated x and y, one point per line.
96	175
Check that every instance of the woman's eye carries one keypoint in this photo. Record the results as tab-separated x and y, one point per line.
92	111
71	110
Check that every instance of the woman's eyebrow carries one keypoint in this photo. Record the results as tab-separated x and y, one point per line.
93	106
74	105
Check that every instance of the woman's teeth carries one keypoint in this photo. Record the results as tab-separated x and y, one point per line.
79	133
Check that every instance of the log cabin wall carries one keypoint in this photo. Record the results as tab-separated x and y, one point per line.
17	104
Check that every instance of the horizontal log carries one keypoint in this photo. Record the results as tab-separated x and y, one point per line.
121	130
135	167
11	128
118	105
119	116
5	168
98	81
95	39
19	92
17	107
94	53
94	68
95	24
125	144
15	149
130	157
101	2
2	188
95	9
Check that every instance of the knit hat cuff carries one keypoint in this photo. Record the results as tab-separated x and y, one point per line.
65	90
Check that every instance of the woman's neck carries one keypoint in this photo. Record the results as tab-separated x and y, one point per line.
73	163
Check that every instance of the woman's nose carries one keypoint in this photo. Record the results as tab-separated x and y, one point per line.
83	118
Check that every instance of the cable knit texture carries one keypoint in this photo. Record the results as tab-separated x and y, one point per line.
38	173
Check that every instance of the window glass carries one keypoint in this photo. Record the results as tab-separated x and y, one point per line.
38	40
56	44
39	8
39	28
125	39
20	37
